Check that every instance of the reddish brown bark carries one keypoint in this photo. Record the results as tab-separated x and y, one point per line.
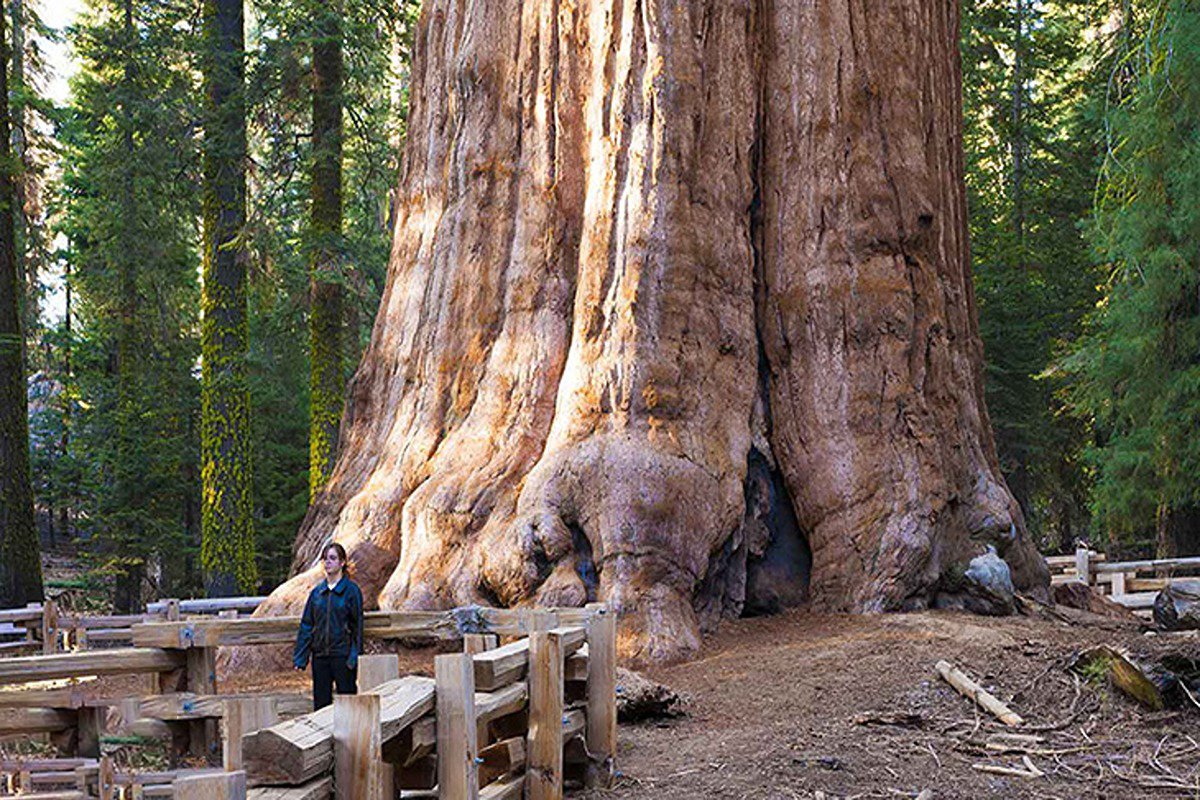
679	290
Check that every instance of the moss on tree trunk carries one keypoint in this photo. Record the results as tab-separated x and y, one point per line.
327	379
227	550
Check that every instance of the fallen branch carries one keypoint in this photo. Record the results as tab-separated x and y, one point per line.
970	689
1030	770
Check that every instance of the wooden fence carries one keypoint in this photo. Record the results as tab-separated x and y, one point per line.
1133	584
494	722
41	628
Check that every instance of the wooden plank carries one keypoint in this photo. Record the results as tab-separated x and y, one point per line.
573	724
189	705
320	789
480	642
576	666
491	705
30	613
1134	600
501	758
298	750
206	605
1118	583
457	746
69	697
212	786
66	794
502	666
357	748
511	787
46	764
374	670
20	648
544	777
412	744
1147	584
243	716
1156	563
602	696
380	624
121	661
35	720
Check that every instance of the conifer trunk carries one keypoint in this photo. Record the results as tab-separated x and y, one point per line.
327	384
20	561
679	318
227	548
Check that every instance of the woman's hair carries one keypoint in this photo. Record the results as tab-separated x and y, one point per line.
341	551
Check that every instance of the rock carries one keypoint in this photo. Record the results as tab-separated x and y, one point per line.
639	698
1083	597
984	587
1177	607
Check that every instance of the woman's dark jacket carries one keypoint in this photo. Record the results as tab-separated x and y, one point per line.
332	624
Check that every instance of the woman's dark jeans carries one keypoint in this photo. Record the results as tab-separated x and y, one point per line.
328	670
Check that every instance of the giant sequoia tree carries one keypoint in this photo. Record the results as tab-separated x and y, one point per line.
678	317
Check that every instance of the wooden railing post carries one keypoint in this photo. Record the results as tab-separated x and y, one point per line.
241	717
1118	584
50	627
601	695
544	773
357	748
457	745
202	679
1083	570
374	670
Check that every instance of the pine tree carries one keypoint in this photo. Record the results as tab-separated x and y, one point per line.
20	562
326	316
1030	84
1137	372
127	210
282	142
225	445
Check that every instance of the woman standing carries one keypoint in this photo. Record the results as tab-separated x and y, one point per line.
331	630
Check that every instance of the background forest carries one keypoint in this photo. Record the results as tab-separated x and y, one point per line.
1082	167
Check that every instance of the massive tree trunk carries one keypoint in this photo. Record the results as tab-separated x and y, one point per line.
679	317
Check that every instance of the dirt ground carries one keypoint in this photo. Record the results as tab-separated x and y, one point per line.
779	707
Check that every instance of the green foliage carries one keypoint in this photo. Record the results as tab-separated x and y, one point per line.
127	207
1136	374
1030	89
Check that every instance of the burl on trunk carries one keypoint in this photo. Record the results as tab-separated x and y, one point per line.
679	317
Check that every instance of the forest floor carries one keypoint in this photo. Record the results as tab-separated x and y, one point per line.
803	706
